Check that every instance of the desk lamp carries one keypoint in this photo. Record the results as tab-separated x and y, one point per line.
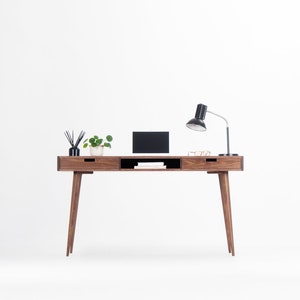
198	124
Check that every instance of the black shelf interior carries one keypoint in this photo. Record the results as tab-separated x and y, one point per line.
170	163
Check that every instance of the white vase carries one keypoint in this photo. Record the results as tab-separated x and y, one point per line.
96	151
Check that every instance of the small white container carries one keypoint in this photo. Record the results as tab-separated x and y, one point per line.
96	151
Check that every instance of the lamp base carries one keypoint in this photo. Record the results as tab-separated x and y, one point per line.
228	154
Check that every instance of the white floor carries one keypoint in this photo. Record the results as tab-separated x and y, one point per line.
156	274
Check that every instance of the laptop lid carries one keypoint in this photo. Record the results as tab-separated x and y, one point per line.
150	142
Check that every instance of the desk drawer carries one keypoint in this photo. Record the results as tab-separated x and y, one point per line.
88	163
212	163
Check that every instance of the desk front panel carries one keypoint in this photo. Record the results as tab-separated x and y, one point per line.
212	163
88	163
127	163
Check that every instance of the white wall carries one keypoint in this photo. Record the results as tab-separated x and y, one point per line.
118	66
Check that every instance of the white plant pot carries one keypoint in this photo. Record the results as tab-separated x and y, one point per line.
96	151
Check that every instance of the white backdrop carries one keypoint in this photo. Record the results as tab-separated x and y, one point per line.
119	66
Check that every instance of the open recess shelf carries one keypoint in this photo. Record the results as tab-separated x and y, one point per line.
170	163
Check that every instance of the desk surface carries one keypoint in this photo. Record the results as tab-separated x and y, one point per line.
172	163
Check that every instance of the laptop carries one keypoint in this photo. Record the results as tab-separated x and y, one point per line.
150	142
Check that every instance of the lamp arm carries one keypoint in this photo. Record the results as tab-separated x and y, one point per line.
219	117
227	129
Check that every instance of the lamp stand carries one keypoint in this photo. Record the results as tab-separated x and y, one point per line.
228	151
227	135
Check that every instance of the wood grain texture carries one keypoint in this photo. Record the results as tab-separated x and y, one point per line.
212	163
187	163
225	195
88	163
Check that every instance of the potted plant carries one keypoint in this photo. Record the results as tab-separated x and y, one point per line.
97	144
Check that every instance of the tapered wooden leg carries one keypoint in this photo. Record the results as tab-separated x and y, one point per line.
225	194
226	220
73	210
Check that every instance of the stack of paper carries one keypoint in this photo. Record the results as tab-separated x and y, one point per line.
151	165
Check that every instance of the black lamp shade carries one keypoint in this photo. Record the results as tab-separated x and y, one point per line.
197	123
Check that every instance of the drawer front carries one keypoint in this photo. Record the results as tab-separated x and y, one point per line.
88	163
212	163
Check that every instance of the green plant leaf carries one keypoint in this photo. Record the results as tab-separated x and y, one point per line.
96	141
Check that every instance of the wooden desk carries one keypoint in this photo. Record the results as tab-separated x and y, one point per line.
220	165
